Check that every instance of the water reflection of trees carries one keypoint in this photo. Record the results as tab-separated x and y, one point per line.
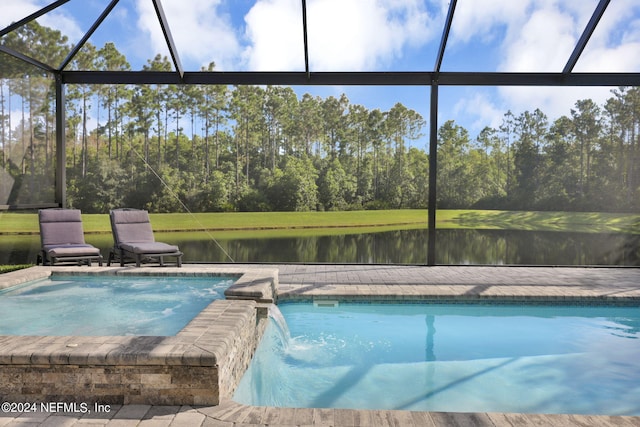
488	247
455	247
630	252
530	248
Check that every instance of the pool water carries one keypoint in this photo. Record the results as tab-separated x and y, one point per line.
107	305
449	357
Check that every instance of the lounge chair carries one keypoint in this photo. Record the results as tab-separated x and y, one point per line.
62	238
134	241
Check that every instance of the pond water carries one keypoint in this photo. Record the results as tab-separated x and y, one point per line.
454	247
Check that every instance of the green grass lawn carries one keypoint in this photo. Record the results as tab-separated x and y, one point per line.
276	223
586	222
8	268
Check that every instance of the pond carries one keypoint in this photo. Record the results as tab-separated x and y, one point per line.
454	247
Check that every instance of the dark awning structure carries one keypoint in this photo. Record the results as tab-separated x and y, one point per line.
564	77
430	77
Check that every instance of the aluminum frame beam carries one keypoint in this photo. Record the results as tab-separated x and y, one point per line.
27	59
61	150
586	35
173	51
87	35
305	39
433	176
445	35
352	78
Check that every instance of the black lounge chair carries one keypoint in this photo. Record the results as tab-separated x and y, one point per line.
134	241
62	238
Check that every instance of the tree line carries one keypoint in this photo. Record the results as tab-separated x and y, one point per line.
253	148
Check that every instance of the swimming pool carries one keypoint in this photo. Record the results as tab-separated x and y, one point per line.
107	305
450	357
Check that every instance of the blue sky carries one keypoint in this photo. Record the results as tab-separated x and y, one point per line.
375	35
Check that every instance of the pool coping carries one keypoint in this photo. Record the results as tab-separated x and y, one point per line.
553	285
207	341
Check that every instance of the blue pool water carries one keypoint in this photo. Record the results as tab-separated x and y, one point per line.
454	358
107	305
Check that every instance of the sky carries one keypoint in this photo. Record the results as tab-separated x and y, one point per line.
375	35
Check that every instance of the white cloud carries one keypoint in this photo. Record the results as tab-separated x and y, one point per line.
481	107
343	35
619	20
354	35
527	35
557	30
622	58
274	32
553	101
66	24
484	19
544	43
200	31
615	44
540	36
503	21
15	10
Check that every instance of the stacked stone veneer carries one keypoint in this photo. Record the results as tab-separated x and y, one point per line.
201	365
161	385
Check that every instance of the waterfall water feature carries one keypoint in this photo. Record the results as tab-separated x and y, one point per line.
282	329
265	375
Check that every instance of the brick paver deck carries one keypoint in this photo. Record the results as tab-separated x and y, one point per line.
311	281
325	281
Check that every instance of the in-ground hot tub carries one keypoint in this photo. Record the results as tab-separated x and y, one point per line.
199	365
111	305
